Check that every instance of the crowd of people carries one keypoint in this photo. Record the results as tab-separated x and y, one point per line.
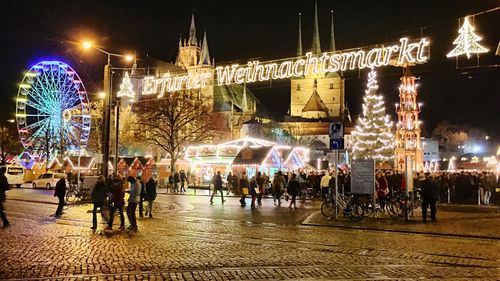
256	187
108	196
430	188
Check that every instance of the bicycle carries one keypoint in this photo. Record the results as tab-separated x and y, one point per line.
77	194
401	206
350	207
367	203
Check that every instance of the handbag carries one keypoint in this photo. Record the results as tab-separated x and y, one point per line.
244	191
256	190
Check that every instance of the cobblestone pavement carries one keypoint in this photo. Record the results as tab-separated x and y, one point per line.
449	223
227	243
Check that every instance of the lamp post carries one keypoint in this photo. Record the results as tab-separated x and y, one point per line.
107	87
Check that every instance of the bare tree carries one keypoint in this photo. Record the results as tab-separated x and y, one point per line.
94	143
127	139
449	136
9	143
174	122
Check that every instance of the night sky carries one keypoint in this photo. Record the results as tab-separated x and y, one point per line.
241	30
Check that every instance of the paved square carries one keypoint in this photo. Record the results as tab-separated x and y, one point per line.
190	239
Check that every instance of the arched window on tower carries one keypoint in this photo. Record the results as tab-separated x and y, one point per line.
331	85
298	86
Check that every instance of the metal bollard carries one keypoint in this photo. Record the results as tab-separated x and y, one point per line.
478	196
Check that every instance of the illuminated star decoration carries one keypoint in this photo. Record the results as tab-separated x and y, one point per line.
467	42
126	88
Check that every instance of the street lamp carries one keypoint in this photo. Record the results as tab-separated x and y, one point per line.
106	103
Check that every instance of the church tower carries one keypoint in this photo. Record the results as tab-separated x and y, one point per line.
189	50
324	90
194	57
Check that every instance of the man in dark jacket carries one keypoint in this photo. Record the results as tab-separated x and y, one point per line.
217	181
142	197
183	178
60	193
117	202
150	195
293	189
4	185
98	195
177	180
430	194
261	181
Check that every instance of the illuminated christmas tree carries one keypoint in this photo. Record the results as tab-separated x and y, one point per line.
467	42
126	88
373	138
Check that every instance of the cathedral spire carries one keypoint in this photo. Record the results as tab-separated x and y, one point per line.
316	45
205	56
299	43
332	36
192	33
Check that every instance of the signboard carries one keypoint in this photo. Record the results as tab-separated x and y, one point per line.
363	176
404	52
336	133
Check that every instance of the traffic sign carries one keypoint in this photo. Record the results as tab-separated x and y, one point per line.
336	130
336	143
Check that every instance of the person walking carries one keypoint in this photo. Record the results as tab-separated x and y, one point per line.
293	189
325	184
430	193
117	202
60	193
229	183
261	181
141	197
170	185
278	187
253	190
98	195
4	186
217	181
183	180
177	180
244	188
150	195
135	196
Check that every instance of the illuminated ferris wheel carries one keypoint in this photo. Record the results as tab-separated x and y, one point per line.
52	110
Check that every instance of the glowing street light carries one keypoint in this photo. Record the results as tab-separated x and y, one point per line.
87	44
129	58
106	96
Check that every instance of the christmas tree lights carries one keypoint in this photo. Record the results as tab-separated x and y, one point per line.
126	88
373	138
467	42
